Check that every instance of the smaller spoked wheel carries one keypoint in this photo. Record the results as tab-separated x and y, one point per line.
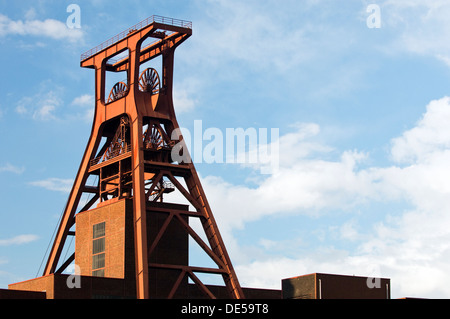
149	81
118	91
154	139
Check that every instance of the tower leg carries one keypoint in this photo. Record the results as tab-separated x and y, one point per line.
212	232
68	220
140	217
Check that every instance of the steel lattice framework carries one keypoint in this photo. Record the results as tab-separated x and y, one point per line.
136	121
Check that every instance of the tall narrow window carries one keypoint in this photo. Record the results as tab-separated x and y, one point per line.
98	250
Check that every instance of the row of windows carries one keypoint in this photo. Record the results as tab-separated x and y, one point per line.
98	250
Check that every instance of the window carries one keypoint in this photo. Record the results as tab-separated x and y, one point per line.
98	250
99	230
98	273
98	246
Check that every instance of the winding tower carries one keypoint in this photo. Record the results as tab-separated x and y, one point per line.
129	166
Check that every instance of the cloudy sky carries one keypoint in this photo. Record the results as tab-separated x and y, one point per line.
363	181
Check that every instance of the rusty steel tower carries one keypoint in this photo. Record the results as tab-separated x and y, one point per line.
129	155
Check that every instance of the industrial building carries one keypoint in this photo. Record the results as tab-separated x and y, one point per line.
108	230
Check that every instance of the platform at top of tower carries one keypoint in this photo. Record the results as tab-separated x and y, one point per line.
137	27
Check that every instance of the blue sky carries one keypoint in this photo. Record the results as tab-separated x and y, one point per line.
363	181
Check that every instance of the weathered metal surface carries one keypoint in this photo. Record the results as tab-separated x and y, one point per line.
135	124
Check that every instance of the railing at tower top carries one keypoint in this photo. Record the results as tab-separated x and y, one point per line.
136	27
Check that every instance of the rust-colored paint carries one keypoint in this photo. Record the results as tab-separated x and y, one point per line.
130	160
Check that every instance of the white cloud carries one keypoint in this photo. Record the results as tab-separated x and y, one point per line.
87	104
11	169
267	36
182	101
414	25
308	184
430	135
349	232
410	244
18	240
45	112
277	44
55	184
84	100
45	105
47	28
41	106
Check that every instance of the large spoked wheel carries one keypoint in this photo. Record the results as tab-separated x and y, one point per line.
149	81
154	139
119	90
